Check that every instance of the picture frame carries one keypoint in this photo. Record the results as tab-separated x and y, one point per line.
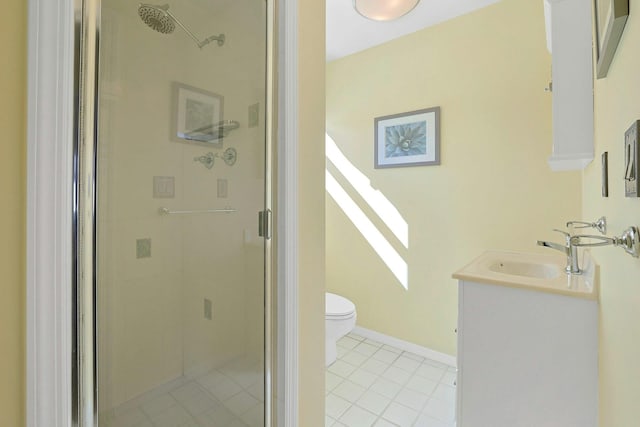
610	17
407	139
197	116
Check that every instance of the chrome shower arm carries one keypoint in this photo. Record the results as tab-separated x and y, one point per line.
220	38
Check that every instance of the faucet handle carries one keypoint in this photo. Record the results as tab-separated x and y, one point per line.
600	224
566	234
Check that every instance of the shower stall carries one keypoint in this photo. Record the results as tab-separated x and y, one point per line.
173	214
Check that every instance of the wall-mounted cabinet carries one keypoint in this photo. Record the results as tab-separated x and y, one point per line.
569	35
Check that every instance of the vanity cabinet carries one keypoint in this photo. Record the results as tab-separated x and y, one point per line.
569	34
527	355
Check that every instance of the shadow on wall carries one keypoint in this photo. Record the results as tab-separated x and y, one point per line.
381	206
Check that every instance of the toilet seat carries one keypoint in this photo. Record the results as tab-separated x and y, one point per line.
337	307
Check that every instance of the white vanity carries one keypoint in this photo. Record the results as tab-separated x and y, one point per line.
527	342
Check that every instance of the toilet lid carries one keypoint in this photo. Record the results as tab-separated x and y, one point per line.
335	305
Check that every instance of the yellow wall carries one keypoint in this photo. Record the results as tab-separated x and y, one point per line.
311	208
13	45
493	190
617	106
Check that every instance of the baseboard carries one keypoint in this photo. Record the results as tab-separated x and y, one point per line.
406	346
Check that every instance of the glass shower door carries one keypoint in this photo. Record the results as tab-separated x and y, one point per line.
181	177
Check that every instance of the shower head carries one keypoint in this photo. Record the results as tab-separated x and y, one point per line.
157	17
161	20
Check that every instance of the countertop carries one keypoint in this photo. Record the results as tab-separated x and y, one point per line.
580	286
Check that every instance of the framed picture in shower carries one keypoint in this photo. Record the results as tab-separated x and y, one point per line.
197	116
407	139
610	19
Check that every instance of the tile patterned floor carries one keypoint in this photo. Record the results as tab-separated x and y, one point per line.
372	384
230	396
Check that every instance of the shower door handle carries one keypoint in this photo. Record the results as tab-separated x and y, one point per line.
264	224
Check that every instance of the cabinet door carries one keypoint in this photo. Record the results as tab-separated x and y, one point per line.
572	74
526	358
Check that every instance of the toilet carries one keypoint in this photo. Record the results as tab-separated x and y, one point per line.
340	319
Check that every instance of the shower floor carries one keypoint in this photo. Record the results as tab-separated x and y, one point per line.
229	396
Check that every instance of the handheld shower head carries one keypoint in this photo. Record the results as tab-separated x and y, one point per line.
157	17
161	20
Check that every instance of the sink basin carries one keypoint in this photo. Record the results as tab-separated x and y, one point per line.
525	269
539	272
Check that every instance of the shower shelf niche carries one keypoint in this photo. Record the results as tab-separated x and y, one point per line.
213	132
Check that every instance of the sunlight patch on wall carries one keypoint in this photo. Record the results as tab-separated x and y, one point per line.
378	202
374	237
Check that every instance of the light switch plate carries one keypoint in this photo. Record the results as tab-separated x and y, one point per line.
631	160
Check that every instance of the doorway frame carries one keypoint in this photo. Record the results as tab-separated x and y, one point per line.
51	89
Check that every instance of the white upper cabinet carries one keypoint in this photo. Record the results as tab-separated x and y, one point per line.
569	35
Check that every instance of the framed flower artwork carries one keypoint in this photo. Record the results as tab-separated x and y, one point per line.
407	139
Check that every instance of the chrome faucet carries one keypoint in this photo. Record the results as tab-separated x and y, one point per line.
570	249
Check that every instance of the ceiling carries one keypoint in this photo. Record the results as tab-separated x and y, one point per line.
348	32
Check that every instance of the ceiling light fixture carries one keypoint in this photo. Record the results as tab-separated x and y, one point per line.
384	10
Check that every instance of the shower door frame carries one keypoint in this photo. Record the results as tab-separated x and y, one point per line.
53	98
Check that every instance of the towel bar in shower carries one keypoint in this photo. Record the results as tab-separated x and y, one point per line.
166	211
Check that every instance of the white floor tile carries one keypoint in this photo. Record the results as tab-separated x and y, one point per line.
427	421
254	417
375	366
366	349
412	399
431	372
131	418
421	384
373	402
384	423
386	388
342	369
440	410
349	391
406	363
194	399
348	342
172	416
342	351
354	358
379	385
396	375
386	356
224	389
400	415
445	392
211	378
257	391
358	417
363	378
332	380
158	404
219	416
241	403
335	406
